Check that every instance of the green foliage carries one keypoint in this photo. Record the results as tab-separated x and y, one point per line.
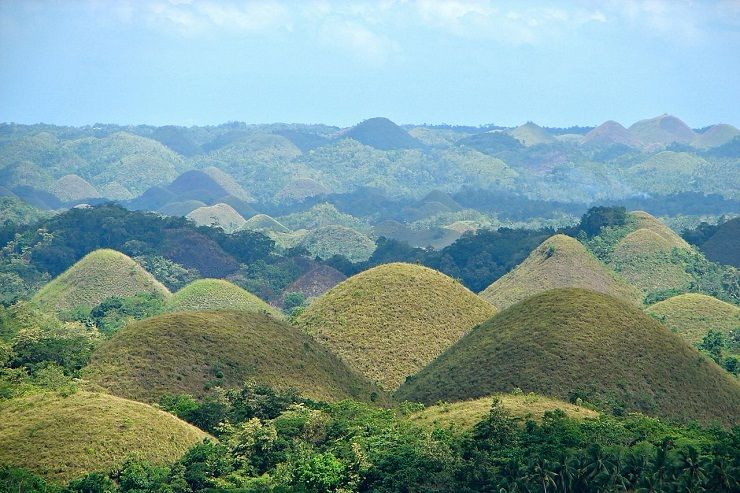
293	301
600	217
173	275
114	312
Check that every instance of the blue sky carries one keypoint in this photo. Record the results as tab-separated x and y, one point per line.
339	62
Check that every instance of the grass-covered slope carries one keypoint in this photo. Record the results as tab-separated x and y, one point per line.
328	241
228	183
381	133
190	351
217	294
65	437
662	130
70	188
263	222
219	215
316	281
559	262
609	133
390	321
715	136
531	134
569	343
98	275
723	246
692	315
465	414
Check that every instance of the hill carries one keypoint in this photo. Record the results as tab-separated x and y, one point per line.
570	343
715	136
301	189
559	262
263	222
722	246
316	281
609	133
228	183
64	437
464	415
189	352
442	198
180	208
669	172
98	275
531	134
645	220
383	134
71	188
389	321
328	241
217	294
661	131
219	215
692	315
197	185
115	191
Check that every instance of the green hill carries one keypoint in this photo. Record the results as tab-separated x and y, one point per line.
670	172
391	320
692	315
531	134
228	183
661	131
219	215
70	188
722	246
263	222
609	133
715	136
316	281
64	437
300	189
328	241
383	134
465	414
570	343
98	275
647	221
189	352
217	294
180	208
115	191
559	262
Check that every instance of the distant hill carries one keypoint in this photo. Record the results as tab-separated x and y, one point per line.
228	183
65	437
692	315
571	343
661	131
715	136
37	198
328	241
391	320
724	245
670	172
197	185
189	352
217	294
531	134
180	208
115	191
300	189
71	188
492	142
442	198
316	281
219	215
610	133
559	262
263	222
383	134
98	275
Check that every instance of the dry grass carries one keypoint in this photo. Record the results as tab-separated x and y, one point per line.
390	321
692	315
220	215
217	294
62	438
327	241
559	262
263	222
531	134
72	187
573	342
98	275
188	352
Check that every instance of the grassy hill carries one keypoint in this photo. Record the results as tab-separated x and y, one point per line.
661	131
570	343
383	134
328	241
722	246
70	188
531	134
647	221
300	189
263	222
316	281
98	275
559	262
691	315
715	136
670	172
180	208
217	294
65	437
115	191
609	133
220	215
465	414
197	185
391	320
228	183
191	351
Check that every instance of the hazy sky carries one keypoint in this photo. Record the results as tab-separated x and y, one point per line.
339	62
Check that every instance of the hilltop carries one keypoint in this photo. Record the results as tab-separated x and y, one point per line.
217	294
219	215
180	208
328	241
662	130
228	183
65	437
559	262
609	133
383	134
189	352
391	320
570	343
98	275
715	136
316	281
722	246
531	134
301	189
70	188
692	315
263	222
197	185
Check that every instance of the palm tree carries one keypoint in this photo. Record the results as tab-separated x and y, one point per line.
692	468
540	471
722	476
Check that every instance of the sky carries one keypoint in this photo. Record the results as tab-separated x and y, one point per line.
472	62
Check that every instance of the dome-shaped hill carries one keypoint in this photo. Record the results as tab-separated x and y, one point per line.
609	133
70	188
228	183
242	207
442	198
722	246
217	294
263	222
692	315
189	351
715	136
219	215
197	185
531	134
669	172
65	437
316	281
152	199
98	275
570	343
465	414
662	130
115	191
647	221
327	241
391	320
300	189
559	262
180	208
383	134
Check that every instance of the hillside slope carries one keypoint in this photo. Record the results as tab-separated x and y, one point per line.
692	315
217	294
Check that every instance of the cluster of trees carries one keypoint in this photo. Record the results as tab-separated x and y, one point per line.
724	350
278	442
